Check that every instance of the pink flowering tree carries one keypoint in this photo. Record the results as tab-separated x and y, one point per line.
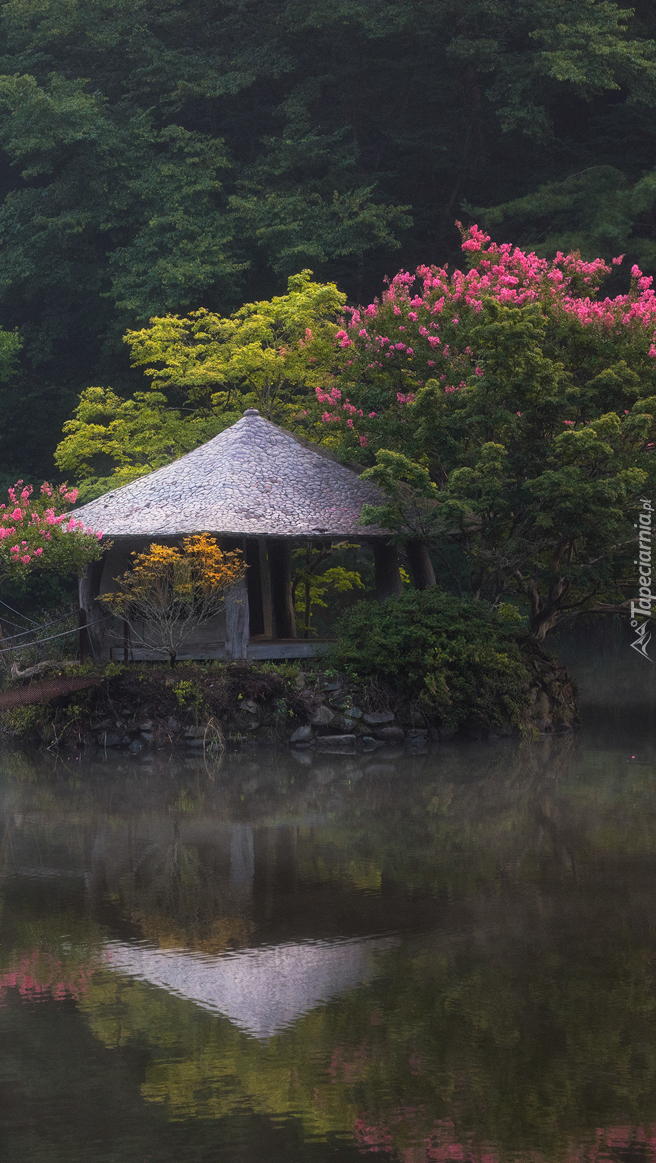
509	413
36	534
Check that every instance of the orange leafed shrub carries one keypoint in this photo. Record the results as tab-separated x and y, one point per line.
171	591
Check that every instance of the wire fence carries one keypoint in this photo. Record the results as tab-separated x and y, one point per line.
27	642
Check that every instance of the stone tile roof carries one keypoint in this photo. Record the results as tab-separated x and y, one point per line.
254	478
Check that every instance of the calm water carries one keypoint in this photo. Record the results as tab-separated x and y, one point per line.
284	958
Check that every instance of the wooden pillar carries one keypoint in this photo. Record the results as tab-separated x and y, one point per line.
421	566
237	621
89	588
254	586
280	571
386	569
265	579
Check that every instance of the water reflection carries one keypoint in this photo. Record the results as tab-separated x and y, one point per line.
260	990
437	957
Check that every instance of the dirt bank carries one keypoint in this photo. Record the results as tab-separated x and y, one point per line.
213	706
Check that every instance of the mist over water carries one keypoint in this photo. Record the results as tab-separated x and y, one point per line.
448	956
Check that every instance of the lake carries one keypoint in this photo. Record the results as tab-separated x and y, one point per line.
297	957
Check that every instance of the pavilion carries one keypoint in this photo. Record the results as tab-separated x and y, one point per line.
257	488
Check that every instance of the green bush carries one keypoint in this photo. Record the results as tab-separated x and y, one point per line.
450	653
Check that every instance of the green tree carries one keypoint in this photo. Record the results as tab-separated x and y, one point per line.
223	146
530	442
312	580
111	441
268	355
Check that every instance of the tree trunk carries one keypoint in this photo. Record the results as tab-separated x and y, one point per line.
386	569
421	566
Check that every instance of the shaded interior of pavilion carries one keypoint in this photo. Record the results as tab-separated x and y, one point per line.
259	620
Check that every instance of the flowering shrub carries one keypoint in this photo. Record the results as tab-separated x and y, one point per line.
35	534
170	592
421	329
512	417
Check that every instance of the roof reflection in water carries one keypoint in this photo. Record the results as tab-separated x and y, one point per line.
260	990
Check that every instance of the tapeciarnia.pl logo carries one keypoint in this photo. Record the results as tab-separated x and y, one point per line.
641	607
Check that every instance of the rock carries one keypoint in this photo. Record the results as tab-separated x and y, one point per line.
391	734
416	739
375	718
102	725
135	747
302	734
173	724
146	725
353	713
250	706
195	732
335	742
542	707
109	739
332	686
195	742
341	723
147	736
322	717
369	743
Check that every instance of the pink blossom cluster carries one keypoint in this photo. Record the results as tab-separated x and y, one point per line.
415	326
27	525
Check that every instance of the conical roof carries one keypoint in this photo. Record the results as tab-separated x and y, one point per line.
254	479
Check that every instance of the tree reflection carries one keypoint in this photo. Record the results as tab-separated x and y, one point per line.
515	1016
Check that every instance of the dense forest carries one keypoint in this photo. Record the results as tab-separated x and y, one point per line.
157	156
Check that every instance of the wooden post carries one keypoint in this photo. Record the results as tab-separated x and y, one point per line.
267	608
421	566
89	588
254	587
386	570
237	621
280	570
